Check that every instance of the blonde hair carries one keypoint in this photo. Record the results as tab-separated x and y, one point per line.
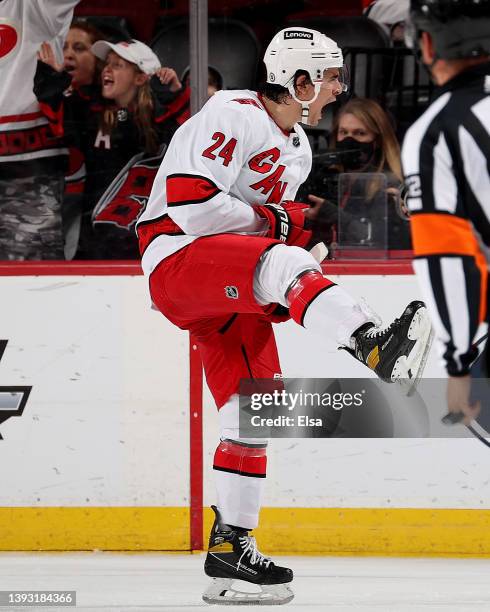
376	120
143	117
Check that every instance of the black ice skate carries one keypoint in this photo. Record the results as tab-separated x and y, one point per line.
399	352
233	555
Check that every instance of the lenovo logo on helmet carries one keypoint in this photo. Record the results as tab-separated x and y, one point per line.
298	34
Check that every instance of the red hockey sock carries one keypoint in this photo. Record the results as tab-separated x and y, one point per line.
241	458
304	290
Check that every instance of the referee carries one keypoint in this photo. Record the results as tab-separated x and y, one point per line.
446	162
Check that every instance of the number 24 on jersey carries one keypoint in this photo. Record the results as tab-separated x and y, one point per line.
221	149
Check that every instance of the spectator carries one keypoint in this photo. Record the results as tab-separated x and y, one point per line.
79	61
140	104
80	74
364	142
32	158
215	79
391	16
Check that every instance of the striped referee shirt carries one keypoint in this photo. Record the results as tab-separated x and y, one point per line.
446	162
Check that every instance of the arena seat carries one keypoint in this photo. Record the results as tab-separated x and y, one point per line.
180	8
312	8
407	88
114	28
358	37
140	15
233	49
359	33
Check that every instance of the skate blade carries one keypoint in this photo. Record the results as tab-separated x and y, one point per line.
221	592
408	370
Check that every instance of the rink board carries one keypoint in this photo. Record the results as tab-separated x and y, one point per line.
99	459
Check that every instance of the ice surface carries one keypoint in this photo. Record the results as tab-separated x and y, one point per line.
154	582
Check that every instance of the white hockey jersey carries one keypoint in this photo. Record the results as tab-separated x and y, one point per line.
24	25
220	163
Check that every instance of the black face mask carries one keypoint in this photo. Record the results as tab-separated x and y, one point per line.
357	154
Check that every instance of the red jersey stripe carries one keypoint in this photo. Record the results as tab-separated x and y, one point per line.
20	118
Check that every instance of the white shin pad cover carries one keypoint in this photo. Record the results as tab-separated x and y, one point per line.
239	470
277	269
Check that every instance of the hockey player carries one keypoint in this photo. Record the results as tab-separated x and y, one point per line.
446	158
222	245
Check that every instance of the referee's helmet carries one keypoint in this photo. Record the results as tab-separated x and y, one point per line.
459	28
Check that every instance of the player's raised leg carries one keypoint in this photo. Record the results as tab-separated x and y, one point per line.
398	352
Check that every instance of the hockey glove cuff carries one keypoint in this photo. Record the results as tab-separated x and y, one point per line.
280	314
286	222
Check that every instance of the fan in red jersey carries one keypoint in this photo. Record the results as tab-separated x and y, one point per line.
32	158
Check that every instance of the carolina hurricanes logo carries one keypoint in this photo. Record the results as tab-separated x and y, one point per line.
9	38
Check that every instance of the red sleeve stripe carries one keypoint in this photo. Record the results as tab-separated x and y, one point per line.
185	189
183	117
149	230
239	459
179	106
55	118
78	187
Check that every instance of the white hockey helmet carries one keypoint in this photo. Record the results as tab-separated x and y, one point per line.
297	48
